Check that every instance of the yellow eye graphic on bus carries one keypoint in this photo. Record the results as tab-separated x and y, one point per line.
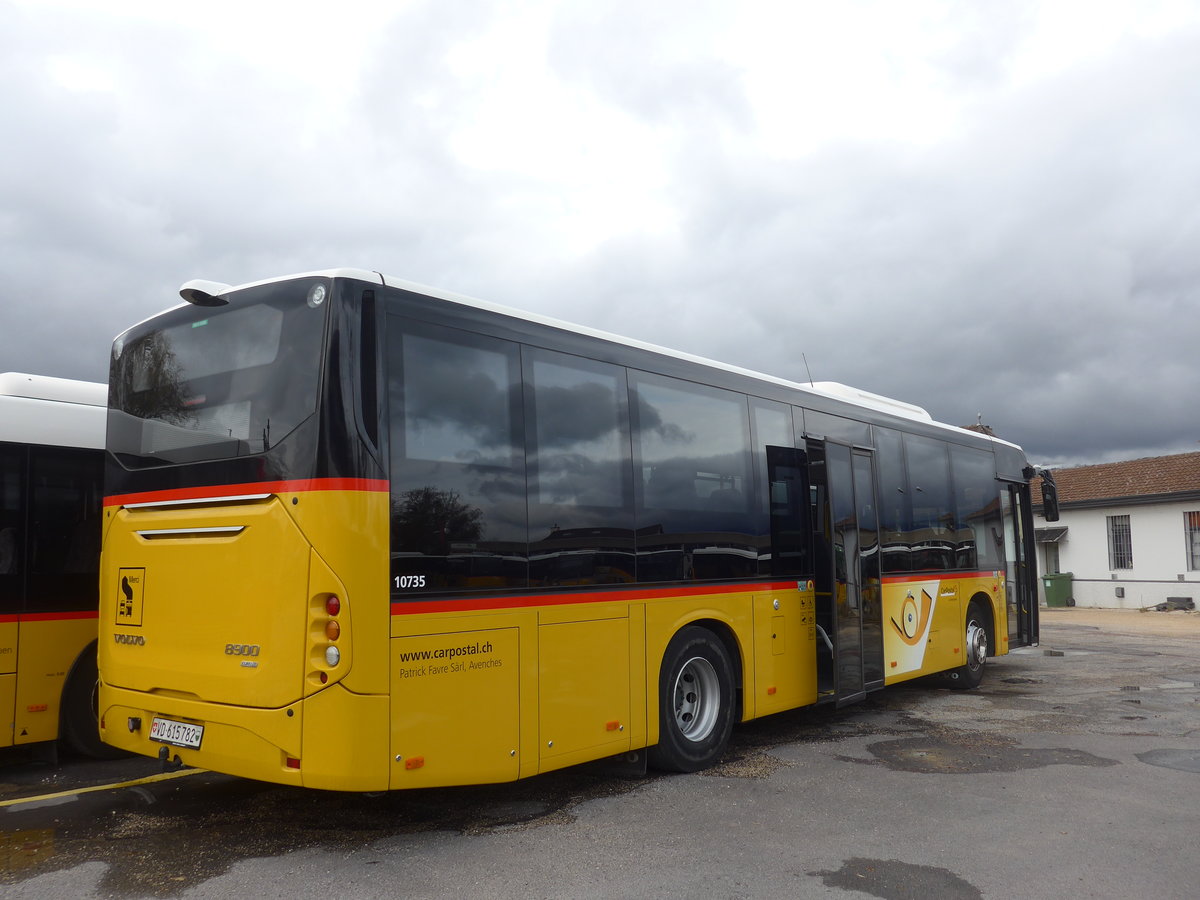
914	620
908	617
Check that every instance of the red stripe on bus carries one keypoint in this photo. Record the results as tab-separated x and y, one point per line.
49	616
413	607
298	486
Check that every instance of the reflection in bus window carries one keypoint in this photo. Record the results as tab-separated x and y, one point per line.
457	402
772	427
458	474
236	382
580	446
581	476
895	513
694	518
693	443
977	509
929	534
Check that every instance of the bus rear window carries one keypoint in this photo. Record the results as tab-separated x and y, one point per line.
239	339
201	383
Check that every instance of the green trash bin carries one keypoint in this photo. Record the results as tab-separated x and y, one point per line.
1058	589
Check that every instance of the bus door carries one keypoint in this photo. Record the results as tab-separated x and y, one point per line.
846	526
1020	581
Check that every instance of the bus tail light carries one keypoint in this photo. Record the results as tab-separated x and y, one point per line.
333	630
328	640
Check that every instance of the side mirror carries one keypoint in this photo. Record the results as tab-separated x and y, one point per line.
1049	496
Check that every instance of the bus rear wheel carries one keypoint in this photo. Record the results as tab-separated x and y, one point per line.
975	650
80	719
695	702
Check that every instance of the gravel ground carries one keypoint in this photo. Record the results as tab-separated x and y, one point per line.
1177	623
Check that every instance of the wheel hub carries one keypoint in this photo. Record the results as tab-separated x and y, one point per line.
697	699
976	644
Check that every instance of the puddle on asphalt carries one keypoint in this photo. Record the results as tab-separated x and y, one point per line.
892	879
1180	760
968	753
25	849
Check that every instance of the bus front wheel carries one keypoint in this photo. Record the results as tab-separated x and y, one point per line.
695	702
970	674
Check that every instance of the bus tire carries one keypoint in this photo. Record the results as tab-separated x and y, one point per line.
975	651
695	702
79	722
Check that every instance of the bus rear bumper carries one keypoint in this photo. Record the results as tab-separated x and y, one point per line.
263	744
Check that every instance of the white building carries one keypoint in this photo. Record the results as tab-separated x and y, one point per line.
1129	532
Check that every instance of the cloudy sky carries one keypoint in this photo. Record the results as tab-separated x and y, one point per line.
982	208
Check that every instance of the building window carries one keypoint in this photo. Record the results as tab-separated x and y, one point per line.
1052	563
1120	543
1191	528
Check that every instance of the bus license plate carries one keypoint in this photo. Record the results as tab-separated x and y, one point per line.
178	734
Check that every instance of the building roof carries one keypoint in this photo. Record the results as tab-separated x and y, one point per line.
1156	478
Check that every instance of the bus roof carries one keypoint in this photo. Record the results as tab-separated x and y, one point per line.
828	389
58	412
47	387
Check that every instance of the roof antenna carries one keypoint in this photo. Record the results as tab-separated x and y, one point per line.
806	369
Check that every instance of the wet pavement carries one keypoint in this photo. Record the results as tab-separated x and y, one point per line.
1075	768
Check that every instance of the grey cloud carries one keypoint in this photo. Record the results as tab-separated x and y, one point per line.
1040	266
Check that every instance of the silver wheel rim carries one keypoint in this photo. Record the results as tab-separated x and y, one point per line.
976	645
697	699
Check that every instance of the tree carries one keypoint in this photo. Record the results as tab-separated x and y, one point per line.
428	520
149	382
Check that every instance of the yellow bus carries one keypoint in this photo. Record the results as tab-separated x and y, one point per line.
365	535
51	493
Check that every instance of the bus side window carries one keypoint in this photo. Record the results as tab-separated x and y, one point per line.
459	519
694	515
64	537
369	411
977	515
895	512
931	538
771	426
12	539
790	513
580	471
